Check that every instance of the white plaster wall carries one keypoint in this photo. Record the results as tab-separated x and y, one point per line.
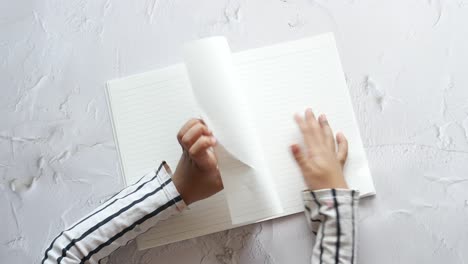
406	63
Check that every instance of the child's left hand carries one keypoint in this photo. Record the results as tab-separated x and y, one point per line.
197	176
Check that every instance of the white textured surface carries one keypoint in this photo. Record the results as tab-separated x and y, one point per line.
406	63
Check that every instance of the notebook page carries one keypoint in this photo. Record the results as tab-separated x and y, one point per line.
251	195
211	73
161	91
286	78
146	118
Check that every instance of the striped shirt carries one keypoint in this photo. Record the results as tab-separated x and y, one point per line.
129	213
154	197
331	215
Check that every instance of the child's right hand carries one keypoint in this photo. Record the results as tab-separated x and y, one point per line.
321	162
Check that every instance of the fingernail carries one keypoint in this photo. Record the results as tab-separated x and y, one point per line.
323	118
213	140
339	136
293	148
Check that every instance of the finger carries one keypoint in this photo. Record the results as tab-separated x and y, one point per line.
301	123
342	152
310	119
201	146
192	135
307	134
327	132
191	122
314	136
298	155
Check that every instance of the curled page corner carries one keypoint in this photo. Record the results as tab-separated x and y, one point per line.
211	73
249	187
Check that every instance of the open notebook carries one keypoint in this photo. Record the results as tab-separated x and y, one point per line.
248	99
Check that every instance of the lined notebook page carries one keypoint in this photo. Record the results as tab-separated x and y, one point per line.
147	116
285	79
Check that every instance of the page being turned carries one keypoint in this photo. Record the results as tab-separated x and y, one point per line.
248	184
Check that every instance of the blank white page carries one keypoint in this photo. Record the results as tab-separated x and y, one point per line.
251	195
285	79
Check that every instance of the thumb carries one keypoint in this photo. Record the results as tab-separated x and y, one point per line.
342	152
298	155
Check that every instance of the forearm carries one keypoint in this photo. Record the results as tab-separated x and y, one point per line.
332	216
123	217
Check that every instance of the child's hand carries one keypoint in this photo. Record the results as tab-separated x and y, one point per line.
197	176
321	164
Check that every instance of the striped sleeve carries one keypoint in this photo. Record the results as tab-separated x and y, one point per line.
119	220
332	214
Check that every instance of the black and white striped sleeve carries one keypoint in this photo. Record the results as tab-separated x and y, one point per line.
120	219
332	214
